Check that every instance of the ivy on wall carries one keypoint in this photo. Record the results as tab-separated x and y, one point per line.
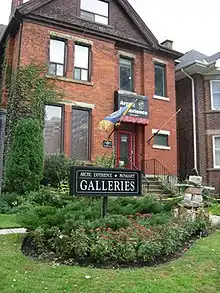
28	93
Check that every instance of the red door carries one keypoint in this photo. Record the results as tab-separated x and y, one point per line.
125	150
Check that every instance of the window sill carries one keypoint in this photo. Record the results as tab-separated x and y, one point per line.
213	169
127	92
95	22
161	147
63	78
161	98
212	111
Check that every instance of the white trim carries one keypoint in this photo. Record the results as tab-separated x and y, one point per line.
156	60
161	147
165	132
161	98
213	149
211	94
78	104
126	54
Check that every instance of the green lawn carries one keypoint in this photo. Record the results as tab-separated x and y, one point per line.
8	221
198	271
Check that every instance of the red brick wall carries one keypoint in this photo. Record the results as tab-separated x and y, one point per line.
35	48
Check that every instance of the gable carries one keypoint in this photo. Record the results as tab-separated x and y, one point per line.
124	22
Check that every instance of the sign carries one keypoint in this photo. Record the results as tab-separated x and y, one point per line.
107	144
140	109
92	181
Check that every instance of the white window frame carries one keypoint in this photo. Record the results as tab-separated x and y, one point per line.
211	94
214	149
161	147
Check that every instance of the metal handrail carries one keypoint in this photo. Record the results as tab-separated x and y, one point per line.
144	179
155	168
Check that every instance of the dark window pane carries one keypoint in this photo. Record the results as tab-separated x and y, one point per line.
77	73
126	75
80	134
124	150
160	80
161	139
52	69
87	15
53	129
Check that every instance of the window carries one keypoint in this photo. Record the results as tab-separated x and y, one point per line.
81	134
216	151
215	94
126	74
57	57
53	134
160	88
161	139
95	10
81	66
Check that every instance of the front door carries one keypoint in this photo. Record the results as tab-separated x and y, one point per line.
125	149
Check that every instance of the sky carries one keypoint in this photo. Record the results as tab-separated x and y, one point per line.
190	24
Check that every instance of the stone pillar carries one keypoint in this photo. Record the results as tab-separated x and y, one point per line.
2	136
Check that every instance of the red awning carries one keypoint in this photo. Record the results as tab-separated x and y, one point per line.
133	119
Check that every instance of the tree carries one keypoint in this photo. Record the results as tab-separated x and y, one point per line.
24	162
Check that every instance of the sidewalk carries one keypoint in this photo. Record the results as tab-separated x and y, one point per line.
12	231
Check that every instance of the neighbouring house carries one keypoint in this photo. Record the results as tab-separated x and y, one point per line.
198	124
102	55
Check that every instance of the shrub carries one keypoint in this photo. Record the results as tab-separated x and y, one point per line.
24	162
56	169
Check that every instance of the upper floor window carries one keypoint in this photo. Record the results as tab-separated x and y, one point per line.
126	74
215	94
53	126
57	57
160	80
81	62
81	134
216	151
95	10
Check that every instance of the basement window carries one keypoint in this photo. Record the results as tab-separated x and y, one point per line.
95	10
161	139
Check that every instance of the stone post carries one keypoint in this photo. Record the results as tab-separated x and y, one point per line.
2	137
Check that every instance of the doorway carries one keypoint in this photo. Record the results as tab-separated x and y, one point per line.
125	149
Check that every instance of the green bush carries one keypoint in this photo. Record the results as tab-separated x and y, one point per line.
56	169
133	244
24	162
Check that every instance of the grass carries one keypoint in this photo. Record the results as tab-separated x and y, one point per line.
8	221
197	271
215	210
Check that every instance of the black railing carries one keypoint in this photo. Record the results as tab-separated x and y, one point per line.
154	168
145	182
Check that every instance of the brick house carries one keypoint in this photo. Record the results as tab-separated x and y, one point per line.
198	95
101	55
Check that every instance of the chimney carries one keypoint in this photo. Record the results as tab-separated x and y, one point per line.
167	44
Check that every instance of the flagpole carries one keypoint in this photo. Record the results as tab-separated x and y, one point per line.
118	124
149	140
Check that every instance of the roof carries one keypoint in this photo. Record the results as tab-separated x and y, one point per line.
193	57
196	62
32	5
2	30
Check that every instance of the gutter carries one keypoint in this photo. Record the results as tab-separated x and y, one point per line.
194	119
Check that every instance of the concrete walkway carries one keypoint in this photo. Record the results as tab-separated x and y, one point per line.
13	231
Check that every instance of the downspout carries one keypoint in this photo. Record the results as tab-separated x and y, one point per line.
194	119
